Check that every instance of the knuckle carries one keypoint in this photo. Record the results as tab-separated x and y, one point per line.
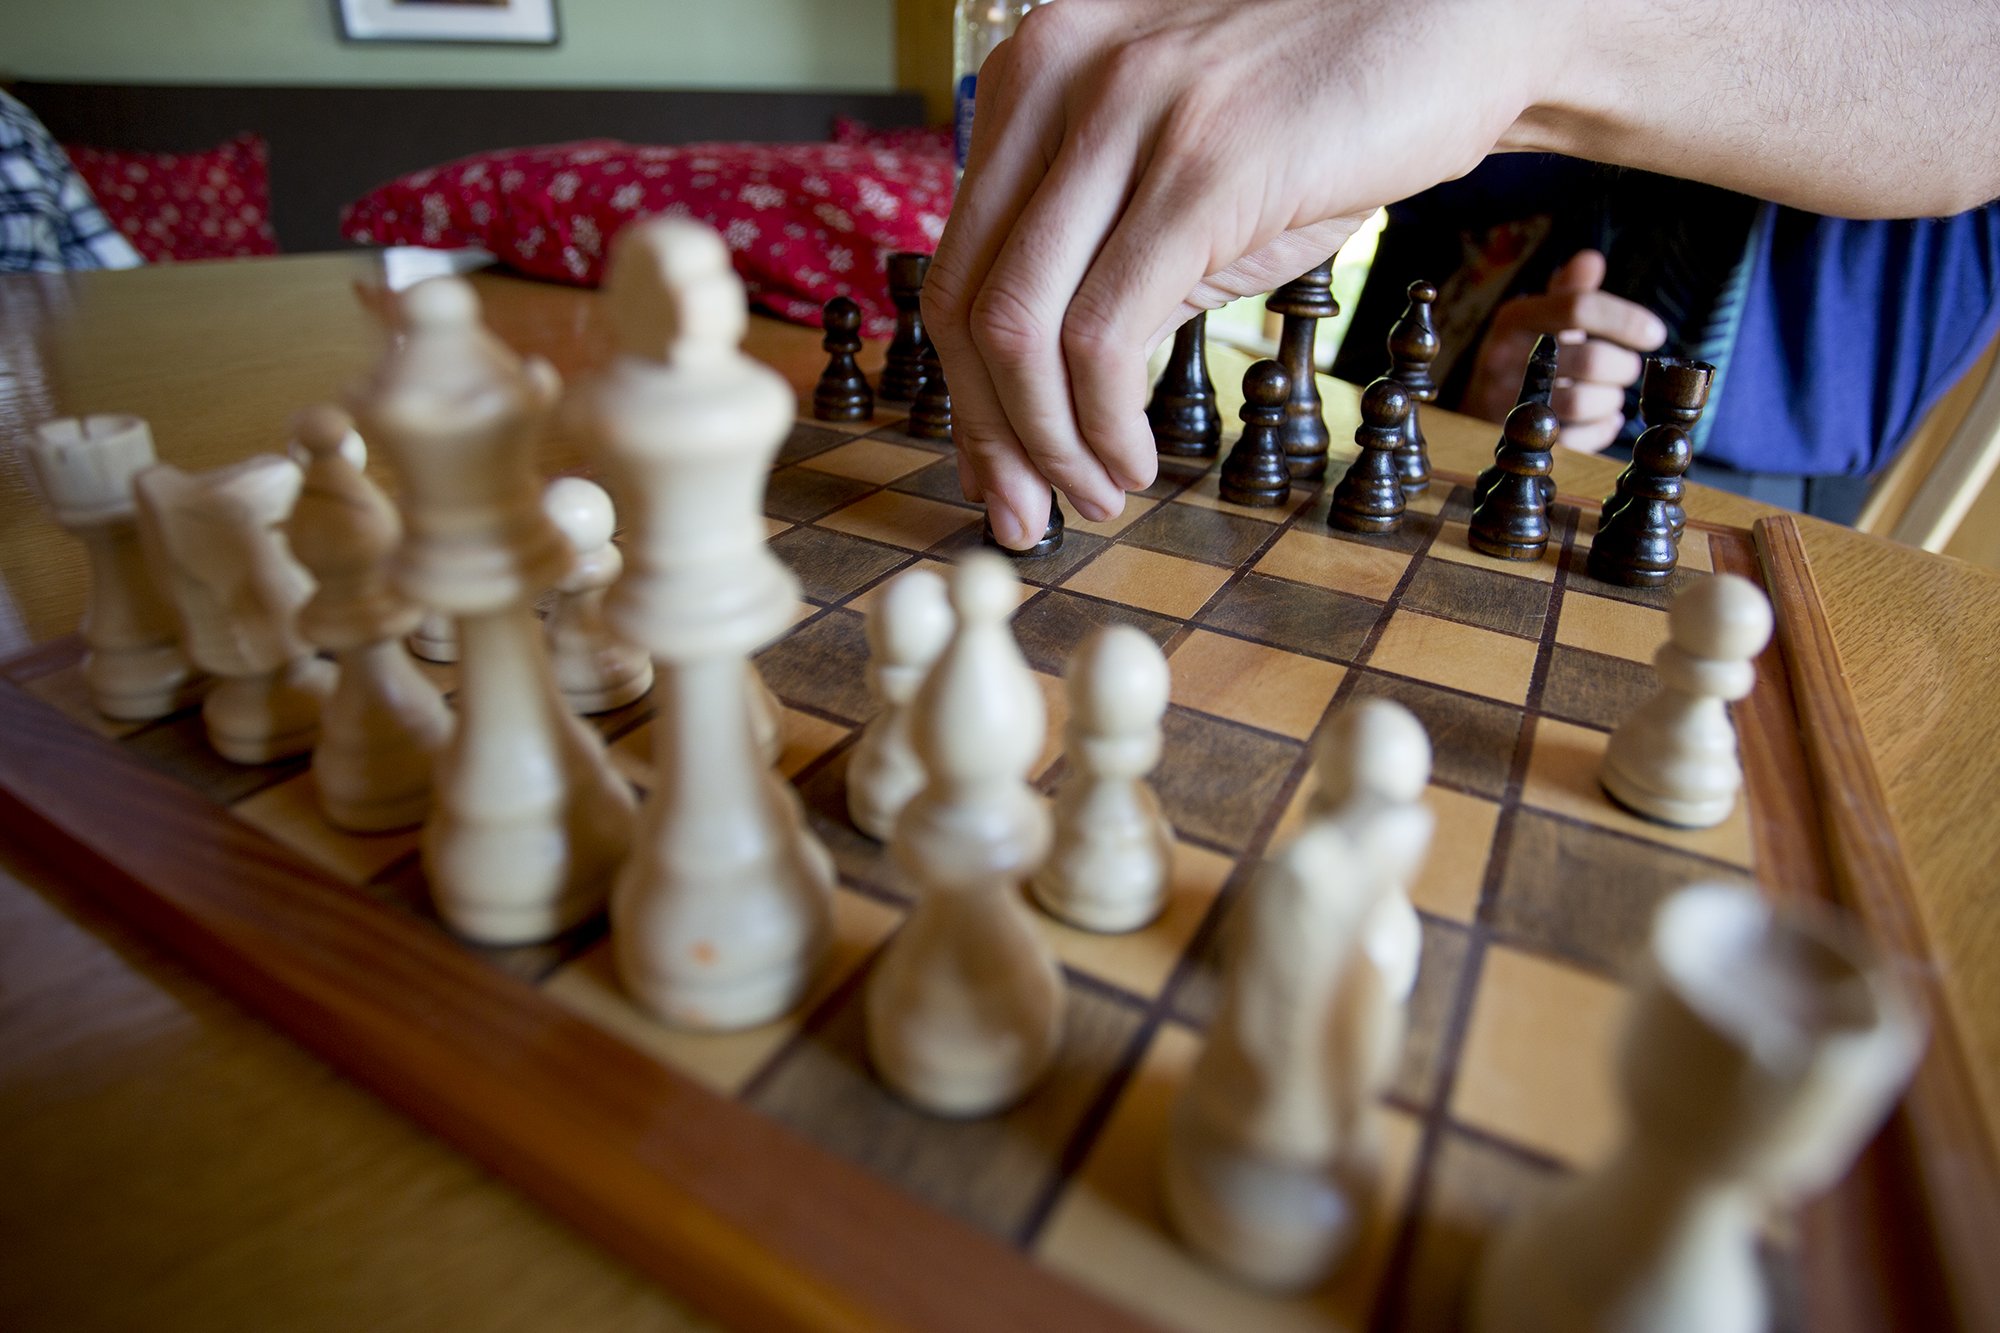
1089	333
1005	328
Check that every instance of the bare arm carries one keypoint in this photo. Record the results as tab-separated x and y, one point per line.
1136	160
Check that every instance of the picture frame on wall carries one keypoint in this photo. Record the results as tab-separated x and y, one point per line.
507	22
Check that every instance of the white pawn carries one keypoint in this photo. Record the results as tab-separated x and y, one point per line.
1763	1051
723	912
435	639
385	722
529	819
766	718
1674	759
239	589
84	466
1113	848
908	627
596	670
965	1008
1370	769
1272	1158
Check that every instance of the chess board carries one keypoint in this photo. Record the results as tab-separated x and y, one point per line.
768	1177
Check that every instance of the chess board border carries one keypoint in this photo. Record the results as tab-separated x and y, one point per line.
726	1207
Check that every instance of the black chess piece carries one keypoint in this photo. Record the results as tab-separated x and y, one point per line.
903	370
1638	543
930	414
1369	497
1512	522
1538	385
842	393
1182	411
1255	472
1413	345
1304	302
1052	535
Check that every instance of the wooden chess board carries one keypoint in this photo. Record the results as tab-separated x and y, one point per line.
765	1174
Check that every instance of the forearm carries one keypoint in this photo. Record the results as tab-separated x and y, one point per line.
1844	107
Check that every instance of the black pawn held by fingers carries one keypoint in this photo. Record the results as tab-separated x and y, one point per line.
1255	472
1512	522
1304	302
903	370
1052	535
1537	386
930	414
842	393
1182	411
1637	543
1370	497
1413	345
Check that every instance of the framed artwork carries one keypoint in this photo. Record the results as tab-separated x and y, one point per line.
513	22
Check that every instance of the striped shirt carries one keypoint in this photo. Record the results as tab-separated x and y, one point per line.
48	221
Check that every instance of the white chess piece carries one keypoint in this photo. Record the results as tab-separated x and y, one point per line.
908	626
435	639
350	446
1765	1048
385	722
1113	850
238	590
965	1008
529	819
596	670
723	913
1273	1150
1370	769
83	467
1674	759
766	718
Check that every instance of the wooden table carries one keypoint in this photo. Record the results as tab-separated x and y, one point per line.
176	1163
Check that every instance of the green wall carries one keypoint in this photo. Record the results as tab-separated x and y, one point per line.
629	43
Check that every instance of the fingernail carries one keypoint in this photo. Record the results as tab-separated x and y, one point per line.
1096	512
1008	529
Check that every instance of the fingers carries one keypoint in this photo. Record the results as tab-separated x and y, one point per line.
1002	174
1019	321
1590	437
1581	401
1593	313
1599	363
1581	272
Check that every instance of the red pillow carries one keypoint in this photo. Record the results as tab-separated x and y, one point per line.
925	140
805	222
459	203
214	204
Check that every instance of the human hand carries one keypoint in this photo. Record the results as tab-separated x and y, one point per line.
1134	161
1602	338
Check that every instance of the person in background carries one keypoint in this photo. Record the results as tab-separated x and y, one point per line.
1832	338
1134	161
48	221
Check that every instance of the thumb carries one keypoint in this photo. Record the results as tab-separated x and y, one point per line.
1582	272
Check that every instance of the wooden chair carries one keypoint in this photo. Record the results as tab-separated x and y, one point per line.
1942	493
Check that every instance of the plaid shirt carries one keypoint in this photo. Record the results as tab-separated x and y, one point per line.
48	221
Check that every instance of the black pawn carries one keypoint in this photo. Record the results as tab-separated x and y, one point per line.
1304	302
1370	497
1413	345
1182	411
842	393
1638	540
1052	535
1537	386
903	371
1255	472
1512	522
930	414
